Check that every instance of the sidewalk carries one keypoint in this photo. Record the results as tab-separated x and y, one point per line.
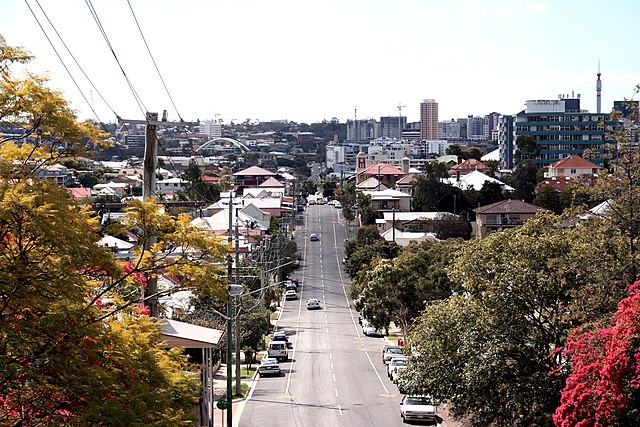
219	393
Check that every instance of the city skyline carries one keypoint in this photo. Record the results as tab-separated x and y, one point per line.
312	61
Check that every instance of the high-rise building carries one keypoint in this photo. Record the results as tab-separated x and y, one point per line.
212	128
560	128
475	127
391	127
429	120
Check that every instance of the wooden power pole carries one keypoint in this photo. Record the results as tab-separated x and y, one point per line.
149	189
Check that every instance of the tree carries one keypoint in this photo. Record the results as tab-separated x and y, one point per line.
197	188
517	285
549	198
430	194
65	357
398	289
602	388
524	181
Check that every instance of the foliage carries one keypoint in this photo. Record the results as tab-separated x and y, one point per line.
495	363
602	388
367	245
197	188
42	115
63	360
348	200
524	181
254	322
430	194
549	198
329	187
398	289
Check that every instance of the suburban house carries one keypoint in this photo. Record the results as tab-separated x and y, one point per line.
371	184
252	177
386	174
504	215
389	200
573	167
467	166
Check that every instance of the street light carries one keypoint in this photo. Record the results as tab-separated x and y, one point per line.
234	291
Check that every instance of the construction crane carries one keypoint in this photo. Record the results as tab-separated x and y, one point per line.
400	107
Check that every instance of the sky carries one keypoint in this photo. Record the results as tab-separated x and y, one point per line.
313	60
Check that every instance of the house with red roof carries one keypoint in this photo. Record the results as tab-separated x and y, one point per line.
467	166
386	174
573	166
252	176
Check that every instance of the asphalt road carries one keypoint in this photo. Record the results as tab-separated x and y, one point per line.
335	376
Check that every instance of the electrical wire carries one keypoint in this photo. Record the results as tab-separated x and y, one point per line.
74	58
61	60
153	60
137	98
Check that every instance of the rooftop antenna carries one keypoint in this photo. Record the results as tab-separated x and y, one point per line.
598	90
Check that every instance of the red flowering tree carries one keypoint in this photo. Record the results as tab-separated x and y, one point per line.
603	386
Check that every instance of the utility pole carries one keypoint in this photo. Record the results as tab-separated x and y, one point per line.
148	190
238	373
229	320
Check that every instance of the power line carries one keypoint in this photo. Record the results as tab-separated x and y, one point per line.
60	58
141	105
74	59
153	60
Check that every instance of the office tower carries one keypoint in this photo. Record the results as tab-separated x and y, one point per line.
429	120
561	128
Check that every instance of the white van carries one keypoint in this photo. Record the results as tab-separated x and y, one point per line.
279	350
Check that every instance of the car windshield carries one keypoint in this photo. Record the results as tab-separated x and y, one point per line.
419	401
394	350
269	362
400	362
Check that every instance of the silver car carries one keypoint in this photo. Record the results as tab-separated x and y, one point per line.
269	366
418	408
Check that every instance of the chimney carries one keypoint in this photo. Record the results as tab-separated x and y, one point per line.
459	159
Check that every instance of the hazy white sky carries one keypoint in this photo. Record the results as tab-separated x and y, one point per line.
309	60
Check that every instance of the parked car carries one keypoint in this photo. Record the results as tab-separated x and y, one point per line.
418	408
282	337
391	351
269	366
291	294
395	375
395	362
289	285
337	205
313	304
314	237
372	331
278	349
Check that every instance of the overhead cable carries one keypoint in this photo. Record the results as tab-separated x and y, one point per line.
154	61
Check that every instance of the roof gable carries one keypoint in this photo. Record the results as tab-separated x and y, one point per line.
574	161
382	169
254	171
272	182
510	206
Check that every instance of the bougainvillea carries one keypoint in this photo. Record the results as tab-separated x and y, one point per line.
603	386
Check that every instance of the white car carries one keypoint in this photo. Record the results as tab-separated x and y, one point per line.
269	366
314	237
394	363
337	205
313	304
372	331
291	295
418	408
390	352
